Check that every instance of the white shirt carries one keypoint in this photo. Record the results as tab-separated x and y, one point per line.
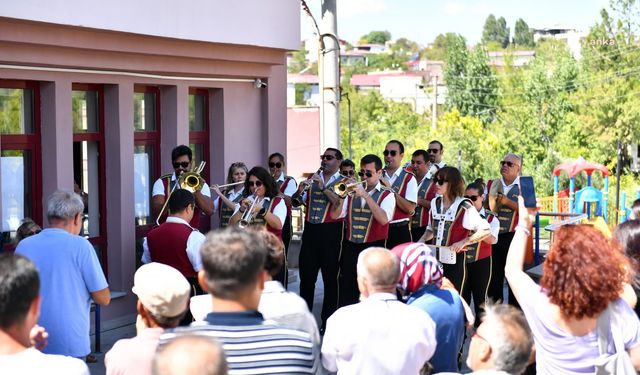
494	224
411	194
388	204
506	188
280	210
432	169
233	194
158	187
471	219
379	335
333	177
194	242
287	309
291	188
32	361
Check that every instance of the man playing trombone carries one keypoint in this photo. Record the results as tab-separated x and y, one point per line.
181	158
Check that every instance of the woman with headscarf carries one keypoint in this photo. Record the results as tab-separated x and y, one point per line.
421	284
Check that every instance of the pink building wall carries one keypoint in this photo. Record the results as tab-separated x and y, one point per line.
303	136
246	123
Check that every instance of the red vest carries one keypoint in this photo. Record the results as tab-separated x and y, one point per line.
361	226
168	245
481	250
452	230
399	186
195	221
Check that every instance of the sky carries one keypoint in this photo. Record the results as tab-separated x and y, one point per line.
423	20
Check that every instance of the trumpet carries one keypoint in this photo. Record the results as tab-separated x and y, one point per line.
343	189
248	215
190	180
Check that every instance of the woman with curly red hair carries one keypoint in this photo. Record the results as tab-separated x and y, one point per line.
583	274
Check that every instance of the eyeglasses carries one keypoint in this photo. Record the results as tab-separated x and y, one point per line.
389	152
349	173
327	157
256	184
178	164
473	198
365	173
433	150
275	165
441	181
507	163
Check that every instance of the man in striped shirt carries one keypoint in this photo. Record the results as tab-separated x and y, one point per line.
233	274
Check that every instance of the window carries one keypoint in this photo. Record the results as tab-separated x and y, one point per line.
146	157
87	103
199	135
20	158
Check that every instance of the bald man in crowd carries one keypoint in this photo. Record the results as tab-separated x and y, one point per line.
379	335
190	355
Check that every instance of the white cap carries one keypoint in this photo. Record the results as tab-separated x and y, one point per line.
161	289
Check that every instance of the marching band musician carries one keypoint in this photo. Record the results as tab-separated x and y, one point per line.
270	210
426	192
347	169
478	255
368	212
405	188
436	149
322	235
505	190
181	157
452	219
287	186
226	202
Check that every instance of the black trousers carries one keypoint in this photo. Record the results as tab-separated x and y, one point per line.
320	250
479	277
398	234
283	275
417	232
457	273
348	284
498	261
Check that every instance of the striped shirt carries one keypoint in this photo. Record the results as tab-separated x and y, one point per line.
253	345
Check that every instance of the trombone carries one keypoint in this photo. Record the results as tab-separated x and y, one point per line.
231	184
343	189
190	180
248	215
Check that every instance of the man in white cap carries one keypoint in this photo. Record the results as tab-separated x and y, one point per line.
163	293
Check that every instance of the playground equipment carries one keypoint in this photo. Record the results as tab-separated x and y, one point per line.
587	195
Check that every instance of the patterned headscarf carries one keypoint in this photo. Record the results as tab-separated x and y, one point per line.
418	267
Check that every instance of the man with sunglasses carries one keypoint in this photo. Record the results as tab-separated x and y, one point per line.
405	188
507	211
435	150
322	235
181	157
347	168
368	212
426	192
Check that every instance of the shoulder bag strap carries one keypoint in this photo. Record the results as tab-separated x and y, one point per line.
602	327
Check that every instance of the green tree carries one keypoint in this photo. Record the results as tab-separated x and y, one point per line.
523	36
455	69
481	87
496	30
298	60
440	44
376	37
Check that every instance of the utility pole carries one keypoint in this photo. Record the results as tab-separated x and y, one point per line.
329	77
434	110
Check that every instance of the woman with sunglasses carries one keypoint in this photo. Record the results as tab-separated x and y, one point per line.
453	219
271	212
478	255
227	200
287	186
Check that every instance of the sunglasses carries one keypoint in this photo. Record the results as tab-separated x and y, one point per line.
33	233
441	181
327	157
183	164
433	150
275	165
256	184
349	173
387	152
473	198
507	163
366	173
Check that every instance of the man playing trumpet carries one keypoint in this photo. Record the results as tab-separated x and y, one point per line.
181	158
368	210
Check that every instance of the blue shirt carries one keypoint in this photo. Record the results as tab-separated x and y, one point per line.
445	308
69	272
